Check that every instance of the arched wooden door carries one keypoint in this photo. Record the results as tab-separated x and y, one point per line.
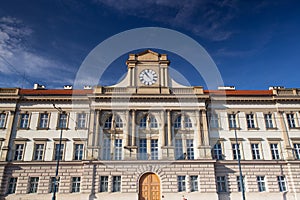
149	187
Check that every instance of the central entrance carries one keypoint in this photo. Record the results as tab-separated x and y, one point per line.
149	187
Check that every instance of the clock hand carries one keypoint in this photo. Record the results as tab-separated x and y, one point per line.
147	75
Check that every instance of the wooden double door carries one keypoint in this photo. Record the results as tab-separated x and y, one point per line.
149	187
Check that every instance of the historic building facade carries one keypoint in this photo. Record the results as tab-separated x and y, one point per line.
149	138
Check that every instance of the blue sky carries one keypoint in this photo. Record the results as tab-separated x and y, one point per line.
255	44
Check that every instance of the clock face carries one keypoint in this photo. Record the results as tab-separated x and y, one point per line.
148	77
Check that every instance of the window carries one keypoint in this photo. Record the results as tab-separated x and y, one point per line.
291	120
143	122
232	121
116	184
52	185
12	184
178	150
213	121
33	184
24	120
2	120
239	185
217	151
118	122
143	150
153	122
297	151
75	184
108	123
154	149
78	152
43	124
81	120
255	151
190	149
187	122
269	121
281	183
62	120
106	149
19	148
250	121
274	151
38	152
236	151
177	122
118	149
261	183
181	183
221	184
103	183
59	152
194	183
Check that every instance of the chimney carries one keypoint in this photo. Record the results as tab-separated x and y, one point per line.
68	87
87	87
226	88
37	86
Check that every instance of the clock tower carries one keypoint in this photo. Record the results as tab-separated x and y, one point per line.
148	72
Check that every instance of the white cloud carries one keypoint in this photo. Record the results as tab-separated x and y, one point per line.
16	58
205	18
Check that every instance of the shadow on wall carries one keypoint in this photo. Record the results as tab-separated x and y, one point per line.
7	173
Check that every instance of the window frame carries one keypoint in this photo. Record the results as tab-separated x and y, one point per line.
3	120
142	151
21	119
261	183
234	120
282	184
62	149
15	150
75	154
35	151
52	184
257	155
221	184
39	127
292	120
154	149
12	185
75	184
251	121
181	183
194	183
214	122
267	121
58	127
296	147
278	155
214	150
79	120
104	183
116	184
33	185
118	149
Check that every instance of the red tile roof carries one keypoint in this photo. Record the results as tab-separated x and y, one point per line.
54	92
240	92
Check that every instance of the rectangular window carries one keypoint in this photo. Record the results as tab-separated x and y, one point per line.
194	183
2	120
116	184
250	121
178	150
154	149
38	152
59	152
43	120
255	151
177	122
214	121
78	152
53	181
62	120
239	185
236	151
143	150
269	121
221	184
81	120
12	185
33	184
19	148
118	149
181	183
190	149
297	151
187	122
24	120
153	122
232	121
103	183
217	152
291	120
75	184
275	151
281	183
261	183
106	149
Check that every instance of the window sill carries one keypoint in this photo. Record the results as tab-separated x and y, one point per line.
294	128
39	128
237	128
274	128
58	128
23	128
83	128
253	129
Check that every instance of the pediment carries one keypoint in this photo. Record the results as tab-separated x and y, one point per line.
148	55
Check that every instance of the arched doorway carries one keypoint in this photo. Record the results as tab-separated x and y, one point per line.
149	187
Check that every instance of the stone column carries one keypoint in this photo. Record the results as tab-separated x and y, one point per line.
169	128
133	128
97	134
163	131
204	148
285	136
91	136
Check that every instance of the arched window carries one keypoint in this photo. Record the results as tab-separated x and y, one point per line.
108	123
118	122
187	122
177	123
153	122
143	122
